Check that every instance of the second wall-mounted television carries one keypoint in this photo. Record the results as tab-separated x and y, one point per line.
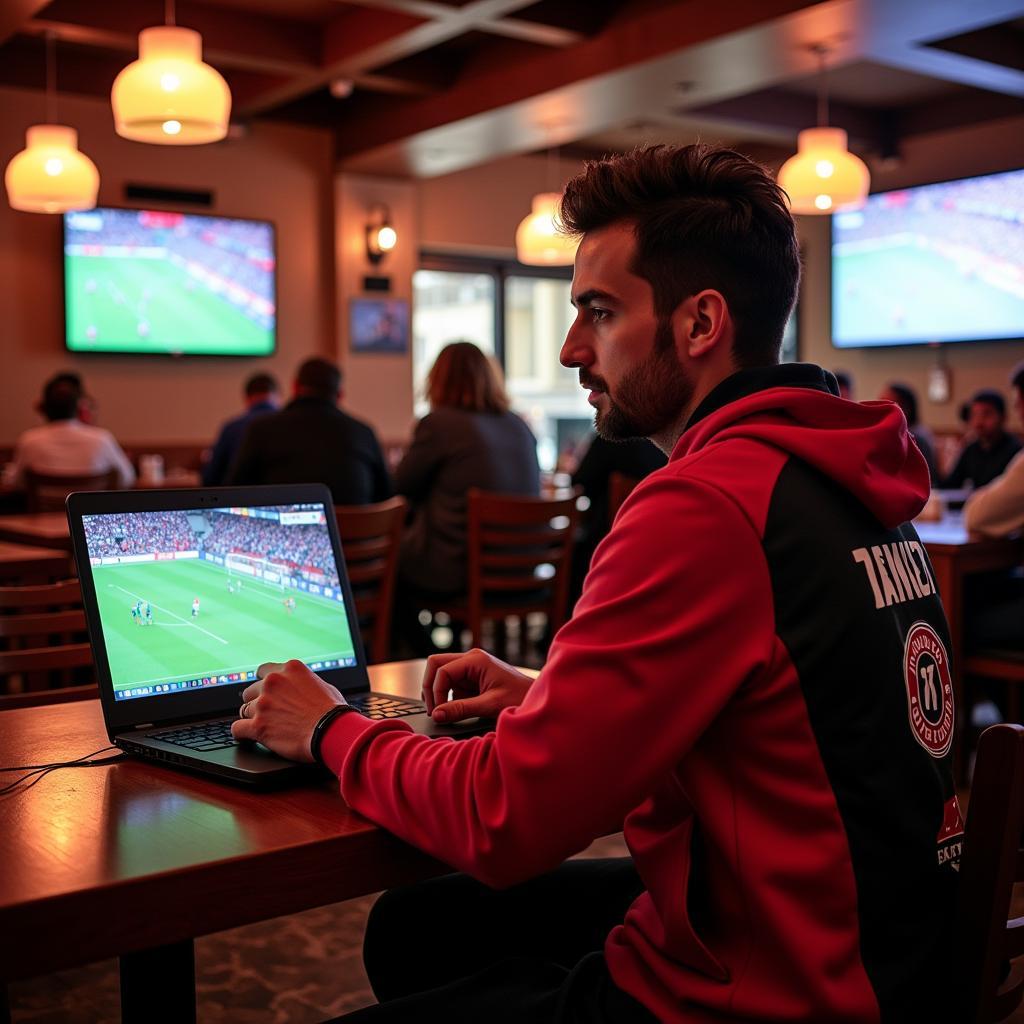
935	263
150	281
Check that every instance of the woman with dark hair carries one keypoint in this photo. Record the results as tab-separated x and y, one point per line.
468	439
903	395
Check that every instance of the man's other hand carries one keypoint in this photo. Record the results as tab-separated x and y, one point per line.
282	707
479	683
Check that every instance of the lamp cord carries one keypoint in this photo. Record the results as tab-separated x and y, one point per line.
822	51
169	12
51	78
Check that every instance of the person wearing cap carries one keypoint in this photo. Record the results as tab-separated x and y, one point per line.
990	453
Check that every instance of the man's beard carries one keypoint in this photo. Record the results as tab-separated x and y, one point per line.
650	398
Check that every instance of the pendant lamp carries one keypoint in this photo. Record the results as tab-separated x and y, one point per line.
50	175
169	96
538	241
824	176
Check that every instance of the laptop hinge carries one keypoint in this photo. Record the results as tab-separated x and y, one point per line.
144	725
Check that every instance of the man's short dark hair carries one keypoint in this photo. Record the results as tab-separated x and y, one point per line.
704	218
260	384
989	397
60	399
1017	377
320	378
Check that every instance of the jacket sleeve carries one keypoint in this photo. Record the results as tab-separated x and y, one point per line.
421	460
245	467
120	462
675	617
382	489
216	468
998	508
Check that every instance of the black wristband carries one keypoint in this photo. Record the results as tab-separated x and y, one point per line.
321	727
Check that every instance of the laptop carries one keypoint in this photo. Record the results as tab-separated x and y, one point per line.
188	592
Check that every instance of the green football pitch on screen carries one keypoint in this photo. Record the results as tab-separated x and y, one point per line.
233	632
127	305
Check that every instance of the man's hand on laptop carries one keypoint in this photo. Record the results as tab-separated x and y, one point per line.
282	707
480	685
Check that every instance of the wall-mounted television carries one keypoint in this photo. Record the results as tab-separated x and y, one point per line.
934	263
150	281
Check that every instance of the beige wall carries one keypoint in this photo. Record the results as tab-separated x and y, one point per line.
378	386
277	173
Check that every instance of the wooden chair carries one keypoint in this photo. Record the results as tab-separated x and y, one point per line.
989	946
619	487
1007	667
519	560
46	492
370	535
42	637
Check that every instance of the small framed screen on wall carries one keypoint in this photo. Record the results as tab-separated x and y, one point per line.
379	325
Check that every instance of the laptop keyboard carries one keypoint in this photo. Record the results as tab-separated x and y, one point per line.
374	706
199	736
205	736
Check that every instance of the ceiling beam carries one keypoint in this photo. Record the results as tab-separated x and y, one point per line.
15	13
359	41
553	97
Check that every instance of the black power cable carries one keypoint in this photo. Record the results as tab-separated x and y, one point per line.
40	770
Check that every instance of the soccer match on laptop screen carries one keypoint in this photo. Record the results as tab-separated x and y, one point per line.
189	599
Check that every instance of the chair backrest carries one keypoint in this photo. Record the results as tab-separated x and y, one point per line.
370	537
520	552
42	637
619	486
46	492
992	860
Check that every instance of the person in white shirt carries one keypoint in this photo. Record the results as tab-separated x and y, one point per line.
64	444
995	601
998	508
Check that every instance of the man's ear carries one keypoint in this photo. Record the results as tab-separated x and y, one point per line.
701	323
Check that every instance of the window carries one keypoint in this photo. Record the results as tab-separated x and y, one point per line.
520	315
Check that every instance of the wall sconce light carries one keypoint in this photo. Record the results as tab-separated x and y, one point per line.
381	237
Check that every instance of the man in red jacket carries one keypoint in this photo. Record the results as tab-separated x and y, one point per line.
755	685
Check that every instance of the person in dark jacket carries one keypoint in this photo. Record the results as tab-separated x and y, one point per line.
990	453
311	440
261	397
755	683
903	395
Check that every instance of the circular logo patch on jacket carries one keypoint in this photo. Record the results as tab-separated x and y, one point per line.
929	689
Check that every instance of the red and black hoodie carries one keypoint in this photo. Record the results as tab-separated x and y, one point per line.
756	686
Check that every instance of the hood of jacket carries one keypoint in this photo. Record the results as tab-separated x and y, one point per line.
865	447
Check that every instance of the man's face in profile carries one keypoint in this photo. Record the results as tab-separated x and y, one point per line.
986	423
625	354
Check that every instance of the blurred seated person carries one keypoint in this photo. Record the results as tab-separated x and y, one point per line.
633	458
990	453
65	445
996	603
845	382
903	395
262	396
470	438
311	440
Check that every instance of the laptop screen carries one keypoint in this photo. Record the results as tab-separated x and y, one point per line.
198	598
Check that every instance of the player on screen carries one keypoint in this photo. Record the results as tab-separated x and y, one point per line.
135	612
231	585
289	605
195	608
149	614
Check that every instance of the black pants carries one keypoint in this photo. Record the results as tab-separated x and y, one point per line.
451	949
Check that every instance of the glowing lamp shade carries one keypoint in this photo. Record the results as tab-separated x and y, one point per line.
50	175
538	242
824	176
169	96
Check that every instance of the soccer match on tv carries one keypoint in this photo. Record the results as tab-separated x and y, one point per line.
154	281
202	598
932	263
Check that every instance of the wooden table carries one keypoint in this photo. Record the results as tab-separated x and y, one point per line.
955	554
21	561
43	529
136	860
